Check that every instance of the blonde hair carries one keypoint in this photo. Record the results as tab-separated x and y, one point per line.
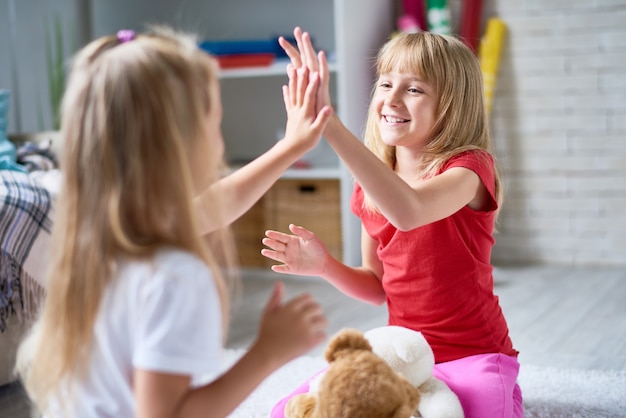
453	71
132	115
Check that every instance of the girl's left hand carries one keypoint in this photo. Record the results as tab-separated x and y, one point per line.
304	122
302	253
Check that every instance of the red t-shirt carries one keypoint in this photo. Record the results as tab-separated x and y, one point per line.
438	277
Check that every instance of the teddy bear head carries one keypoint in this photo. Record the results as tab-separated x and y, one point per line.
357	384
405	350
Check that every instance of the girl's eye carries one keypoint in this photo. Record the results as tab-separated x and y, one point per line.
415	90
384	84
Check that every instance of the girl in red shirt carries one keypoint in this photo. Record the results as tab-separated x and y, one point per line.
427	193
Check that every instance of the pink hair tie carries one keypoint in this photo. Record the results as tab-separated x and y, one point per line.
125	35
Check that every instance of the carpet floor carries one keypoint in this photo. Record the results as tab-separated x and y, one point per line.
548	392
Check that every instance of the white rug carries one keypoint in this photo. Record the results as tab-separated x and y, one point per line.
563	393
548	393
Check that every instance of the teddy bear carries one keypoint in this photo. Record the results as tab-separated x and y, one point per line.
408	353
356	384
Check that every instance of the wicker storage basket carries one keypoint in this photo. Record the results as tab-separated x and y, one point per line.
313	204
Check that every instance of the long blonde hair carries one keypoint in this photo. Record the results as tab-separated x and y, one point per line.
132	115
460	121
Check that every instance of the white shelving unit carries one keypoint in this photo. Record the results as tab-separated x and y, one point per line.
351	31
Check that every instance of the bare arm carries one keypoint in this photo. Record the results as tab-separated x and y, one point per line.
406	204
242	188
287	331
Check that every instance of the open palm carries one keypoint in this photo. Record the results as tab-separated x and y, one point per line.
301	252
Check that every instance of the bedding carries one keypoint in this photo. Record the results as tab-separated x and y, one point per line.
25	226
26	208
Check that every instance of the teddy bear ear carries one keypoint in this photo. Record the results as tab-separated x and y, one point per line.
345	341
300	406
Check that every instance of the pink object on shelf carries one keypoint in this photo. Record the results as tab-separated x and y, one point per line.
417	10
408	24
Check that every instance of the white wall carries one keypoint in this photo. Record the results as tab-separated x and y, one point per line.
559	126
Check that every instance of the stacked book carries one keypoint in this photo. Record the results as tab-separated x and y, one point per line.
244	53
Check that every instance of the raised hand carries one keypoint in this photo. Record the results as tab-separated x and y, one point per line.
302	253
305	120
290	329
304	56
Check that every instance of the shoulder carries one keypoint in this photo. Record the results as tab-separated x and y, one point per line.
176	260
176	300
168	269
482	164
475	160
479	161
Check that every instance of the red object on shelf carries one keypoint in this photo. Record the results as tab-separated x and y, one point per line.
245	60
470	23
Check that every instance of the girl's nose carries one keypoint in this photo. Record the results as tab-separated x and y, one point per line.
392	98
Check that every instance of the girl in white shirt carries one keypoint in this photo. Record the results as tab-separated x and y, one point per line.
137	299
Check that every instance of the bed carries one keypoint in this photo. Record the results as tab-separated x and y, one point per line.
26	208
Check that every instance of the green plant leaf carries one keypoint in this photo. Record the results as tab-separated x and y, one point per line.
56	69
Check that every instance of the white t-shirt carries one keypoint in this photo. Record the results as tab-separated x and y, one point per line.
162	315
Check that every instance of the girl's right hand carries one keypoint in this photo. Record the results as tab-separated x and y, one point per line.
305	56
302	253
290	329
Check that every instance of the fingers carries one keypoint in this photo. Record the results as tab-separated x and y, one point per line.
322	118
297	33
302	88
303	40
310	94
301	232
308	52
277	235
310	311
304	55
280	268
291	51
276	298
274	245
277	245
323	69
286	97
278	256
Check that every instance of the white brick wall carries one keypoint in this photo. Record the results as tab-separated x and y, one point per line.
559	128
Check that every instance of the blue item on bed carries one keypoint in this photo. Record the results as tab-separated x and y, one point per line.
7	149
8	153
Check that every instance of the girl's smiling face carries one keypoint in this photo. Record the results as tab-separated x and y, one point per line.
405	106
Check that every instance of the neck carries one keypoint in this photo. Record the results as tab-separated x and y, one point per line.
408	162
